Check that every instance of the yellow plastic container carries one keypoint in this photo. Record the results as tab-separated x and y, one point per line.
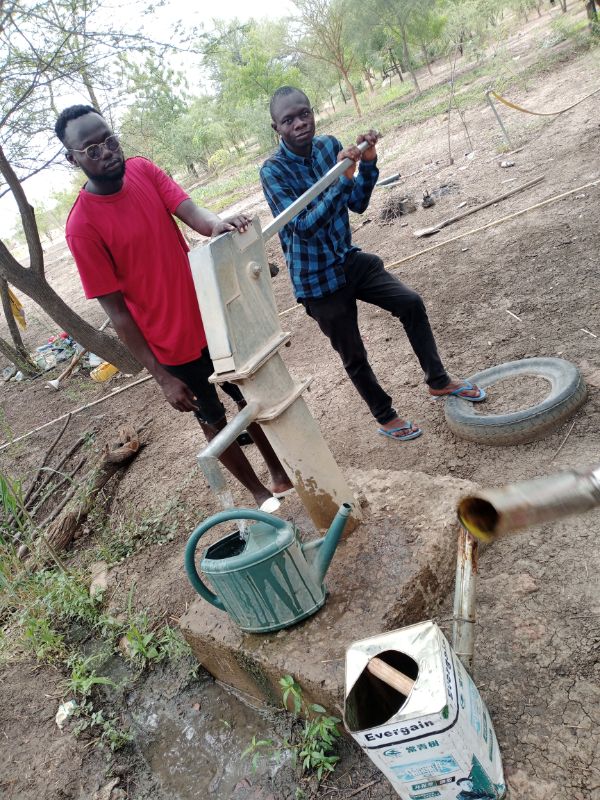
103	372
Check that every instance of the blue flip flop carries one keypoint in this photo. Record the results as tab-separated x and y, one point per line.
459	393
407	436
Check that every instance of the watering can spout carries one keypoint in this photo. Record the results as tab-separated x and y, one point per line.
320	552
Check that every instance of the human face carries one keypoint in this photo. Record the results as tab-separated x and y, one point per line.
294	121
104	173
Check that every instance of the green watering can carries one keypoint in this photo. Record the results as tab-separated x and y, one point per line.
268	579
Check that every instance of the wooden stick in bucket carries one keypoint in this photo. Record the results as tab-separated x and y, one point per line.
393	677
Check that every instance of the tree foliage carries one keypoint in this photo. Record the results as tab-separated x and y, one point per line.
324	36
48	51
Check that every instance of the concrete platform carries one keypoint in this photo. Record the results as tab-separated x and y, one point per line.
392	571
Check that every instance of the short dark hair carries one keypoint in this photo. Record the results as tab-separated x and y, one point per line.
284	91
70	113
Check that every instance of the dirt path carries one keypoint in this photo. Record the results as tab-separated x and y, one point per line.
537	641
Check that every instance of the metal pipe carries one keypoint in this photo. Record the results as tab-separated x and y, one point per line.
497	115
208	459
281	220
465	590
495	512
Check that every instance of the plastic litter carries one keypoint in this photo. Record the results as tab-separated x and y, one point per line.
104	372
64	713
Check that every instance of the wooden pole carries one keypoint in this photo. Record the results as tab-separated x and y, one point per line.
457	217
492	224
76	411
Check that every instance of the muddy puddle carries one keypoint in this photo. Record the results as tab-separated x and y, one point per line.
192	734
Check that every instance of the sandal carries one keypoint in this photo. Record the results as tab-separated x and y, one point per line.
459	392
408	426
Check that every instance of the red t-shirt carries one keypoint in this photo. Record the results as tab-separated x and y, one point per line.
128	242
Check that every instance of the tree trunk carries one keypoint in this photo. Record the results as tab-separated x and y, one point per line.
13	328
407	58
342	93
39	290
592	13
332	103
32	282
15	358
369	81
352	91
563	5
396	66
426	58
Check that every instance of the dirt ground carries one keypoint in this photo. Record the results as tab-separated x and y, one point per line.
537	662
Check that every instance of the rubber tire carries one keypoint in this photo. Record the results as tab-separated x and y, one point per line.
567	393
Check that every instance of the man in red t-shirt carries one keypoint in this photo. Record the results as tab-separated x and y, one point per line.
132	257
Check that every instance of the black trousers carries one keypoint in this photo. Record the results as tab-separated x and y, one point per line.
195	374
337	316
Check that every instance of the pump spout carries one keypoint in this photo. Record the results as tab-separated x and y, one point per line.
495	512
320	552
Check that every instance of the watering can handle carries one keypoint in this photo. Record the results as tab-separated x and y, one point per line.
217	519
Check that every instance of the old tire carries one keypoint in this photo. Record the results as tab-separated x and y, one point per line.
567	393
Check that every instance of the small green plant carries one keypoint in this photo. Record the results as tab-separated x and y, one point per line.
145	645
83	677
142	643
293	690
123	537
65	596
258	748
313	745
105	730
172	645
318	738
42	640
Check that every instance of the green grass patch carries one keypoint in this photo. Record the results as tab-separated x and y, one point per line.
227	185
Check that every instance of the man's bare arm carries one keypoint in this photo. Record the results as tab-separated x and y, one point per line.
206	223
175	391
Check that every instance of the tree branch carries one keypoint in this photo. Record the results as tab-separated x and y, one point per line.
36	254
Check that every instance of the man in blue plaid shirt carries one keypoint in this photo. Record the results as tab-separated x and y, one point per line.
329	274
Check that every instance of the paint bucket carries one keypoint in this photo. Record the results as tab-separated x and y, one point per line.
437	743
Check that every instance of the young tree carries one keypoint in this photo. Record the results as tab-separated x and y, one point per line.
398	18
246	63
159	100
325	37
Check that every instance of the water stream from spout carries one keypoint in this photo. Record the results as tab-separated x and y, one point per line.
226	500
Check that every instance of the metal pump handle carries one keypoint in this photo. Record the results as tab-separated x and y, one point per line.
281	220
217	519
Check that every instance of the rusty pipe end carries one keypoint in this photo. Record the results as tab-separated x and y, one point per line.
480	517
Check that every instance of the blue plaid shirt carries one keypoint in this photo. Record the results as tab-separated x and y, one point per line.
318	240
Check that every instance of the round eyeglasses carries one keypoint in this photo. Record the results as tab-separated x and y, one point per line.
94	151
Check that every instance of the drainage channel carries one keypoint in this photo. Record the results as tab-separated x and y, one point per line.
192	738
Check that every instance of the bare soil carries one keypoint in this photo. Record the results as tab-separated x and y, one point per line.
537	662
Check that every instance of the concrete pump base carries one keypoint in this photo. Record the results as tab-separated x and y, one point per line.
392	571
